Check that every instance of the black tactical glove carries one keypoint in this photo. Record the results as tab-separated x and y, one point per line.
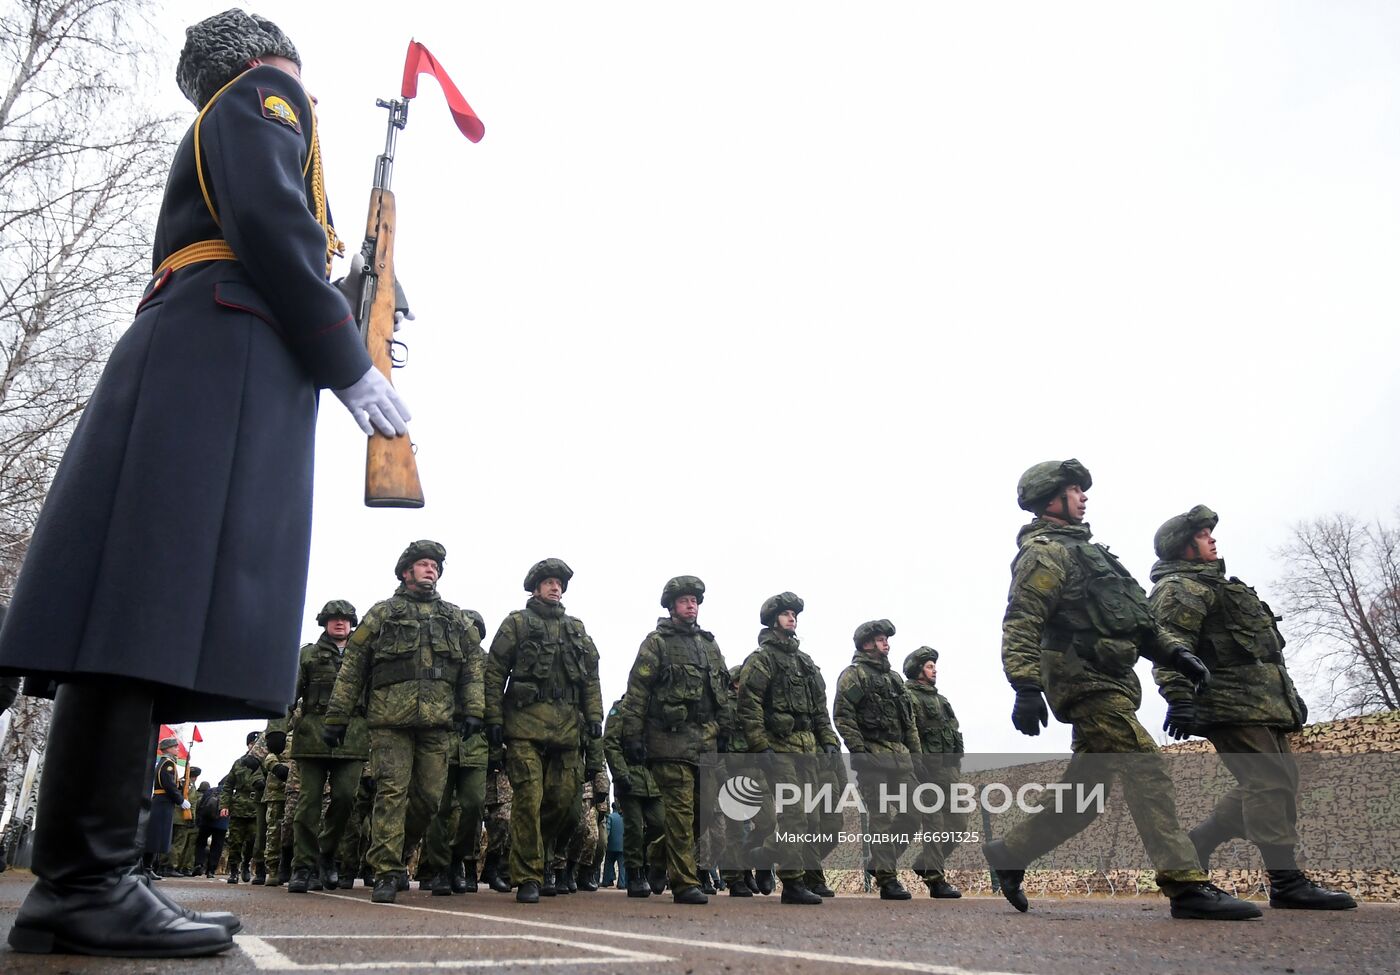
622	785
1190	666
471	726
334	735
495	735
1030	714
281	771
635	752
493	765
1302	709
1181	715
250	762
595	729
832	749
276	741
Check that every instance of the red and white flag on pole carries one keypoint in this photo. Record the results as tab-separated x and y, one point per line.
196	737
420	61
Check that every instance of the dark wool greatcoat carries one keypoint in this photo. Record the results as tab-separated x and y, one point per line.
173	546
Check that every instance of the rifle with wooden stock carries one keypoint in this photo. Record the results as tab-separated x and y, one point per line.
391	471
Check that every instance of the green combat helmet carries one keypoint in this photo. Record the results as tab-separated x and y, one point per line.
337	607
682	586
478	621
1040	483
914	663
1176	531
422	549
548	569
734	673
870	630
781	603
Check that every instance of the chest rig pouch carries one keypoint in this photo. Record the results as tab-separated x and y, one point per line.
321	673
794	690
881	704
685	691
1249	633
417	645
550	663
1103	615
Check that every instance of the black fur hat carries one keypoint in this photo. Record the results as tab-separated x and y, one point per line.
218	49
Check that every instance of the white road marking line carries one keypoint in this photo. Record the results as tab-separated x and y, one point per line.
903	966
267	958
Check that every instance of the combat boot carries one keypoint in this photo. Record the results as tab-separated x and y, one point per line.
401	881
637	885
796	892
942	889
260	874
1207	902
300	881
1291	889
707	886
564	881
689	895
330	876
1207	836
893	890
315	878
739	889
233	871
464	877
87	897
247	873
1008	876
500	877
656	877
386	890
284	866
442	884
587	879
765	881
815	881
547	888
750	882
529	893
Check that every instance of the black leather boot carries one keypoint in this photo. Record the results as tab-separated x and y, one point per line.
330	876
815	881
233	871
300	881
1008	875
547	888
87	898
765	880
586	878
442	884
565	880
1293	889
637	885
386	890
259	874
796	892
464	877
284	867
247	874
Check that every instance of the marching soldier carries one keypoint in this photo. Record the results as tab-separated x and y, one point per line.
1247	710
275	771
782	712
494	871
416	660
239	802
677	709
639	800
941	750
543	702
1076	622
875	718
316	837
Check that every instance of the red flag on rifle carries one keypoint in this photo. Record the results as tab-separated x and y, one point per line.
196	737
418	61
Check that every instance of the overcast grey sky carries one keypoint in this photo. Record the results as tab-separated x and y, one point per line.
788	294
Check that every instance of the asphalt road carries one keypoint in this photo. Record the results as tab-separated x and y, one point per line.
607	932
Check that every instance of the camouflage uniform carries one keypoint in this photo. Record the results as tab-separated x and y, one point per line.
938	736
455	832
184	830
416	663
638	799
1247	710
874	717
316	838
240	797
677	706
782	707
498	813
582	850
545	712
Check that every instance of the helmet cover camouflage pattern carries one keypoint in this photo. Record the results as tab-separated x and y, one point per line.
682	586
1041	482
781	603
1177	530
478	621
548	569
424	548
870	630
734	673
337	607
914	663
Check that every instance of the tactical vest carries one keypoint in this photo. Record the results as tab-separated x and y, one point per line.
1102	614
795	690
1242	629
549	661
937	730
404	635
687	689
880	704
321	669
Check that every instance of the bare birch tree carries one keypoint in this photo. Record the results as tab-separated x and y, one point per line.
1342	591
82	164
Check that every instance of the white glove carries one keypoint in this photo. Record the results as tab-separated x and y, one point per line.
375	405
185	804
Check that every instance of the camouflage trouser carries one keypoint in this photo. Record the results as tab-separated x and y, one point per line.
317	834
1263	808
259	831
793	767
272	836
242	837
643	823
182	844
677	782
355	840
498	806
1109	744
546	786
583	844
409	767
928	862
455	832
